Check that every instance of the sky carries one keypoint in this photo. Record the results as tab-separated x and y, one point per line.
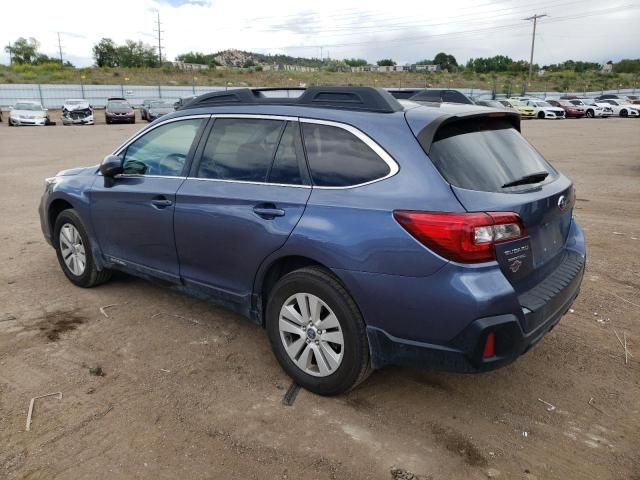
407	31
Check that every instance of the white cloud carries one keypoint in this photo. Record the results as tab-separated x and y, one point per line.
404	30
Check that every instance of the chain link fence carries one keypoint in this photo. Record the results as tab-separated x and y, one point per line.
54	96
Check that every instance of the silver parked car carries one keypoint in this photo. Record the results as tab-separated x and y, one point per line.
28	112
77	112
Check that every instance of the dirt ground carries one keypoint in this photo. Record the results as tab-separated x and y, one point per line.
191	391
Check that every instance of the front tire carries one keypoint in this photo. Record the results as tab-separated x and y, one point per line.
74	252
541	115
317	332
590	113
624	113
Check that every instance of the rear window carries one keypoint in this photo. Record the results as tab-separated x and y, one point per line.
485	155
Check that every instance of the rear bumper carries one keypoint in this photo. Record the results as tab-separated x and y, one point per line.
549	301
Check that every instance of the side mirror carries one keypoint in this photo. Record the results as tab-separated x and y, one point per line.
109	168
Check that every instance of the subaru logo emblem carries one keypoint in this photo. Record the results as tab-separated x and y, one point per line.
562	202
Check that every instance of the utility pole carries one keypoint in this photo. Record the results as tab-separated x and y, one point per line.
60	49
533	40
159	31
10	54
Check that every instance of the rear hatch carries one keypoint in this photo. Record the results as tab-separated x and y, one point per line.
492	168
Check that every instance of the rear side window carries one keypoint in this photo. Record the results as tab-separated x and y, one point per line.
337	158
485	155
240	149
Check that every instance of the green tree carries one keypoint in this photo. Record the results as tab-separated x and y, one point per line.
136	54
356	62
386	62
627	66
446	61
23	50
105	53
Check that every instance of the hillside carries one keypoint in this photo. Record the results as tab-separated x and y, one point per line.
551	81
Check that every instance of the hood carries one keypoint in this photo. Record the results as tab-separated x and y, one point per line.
78	106
160	110
29	113
77	171
120	110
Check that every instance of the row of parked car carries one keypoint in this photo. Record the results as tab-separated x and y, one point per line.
567	106
80	112
119	110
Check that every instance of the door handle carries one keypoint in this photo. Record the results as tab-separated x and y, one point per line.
161	202
268	211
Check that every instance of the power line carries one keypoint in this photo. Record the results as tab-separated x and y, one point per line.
533	39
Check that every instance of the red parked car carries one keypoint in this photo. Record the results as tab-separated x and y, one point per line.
570	110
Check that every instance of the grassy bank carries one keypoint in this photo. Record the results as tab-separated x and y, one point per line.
502	82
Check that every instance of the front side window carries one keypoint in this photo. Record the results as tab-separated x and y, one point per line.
337	158
240	149
163	151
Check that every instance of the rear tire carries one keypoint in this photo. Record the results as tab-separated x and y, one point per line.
307	346
74	251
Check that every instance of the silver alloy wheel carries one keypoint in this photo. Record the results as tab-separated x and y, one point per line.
311	334
72	249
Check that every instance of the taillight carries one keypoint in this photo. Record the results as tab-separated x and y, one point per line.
462	237
489	349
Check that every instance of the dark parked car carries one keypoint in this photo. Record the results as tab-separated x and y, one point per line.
157	109
145	107
181	102
570	110
118	110
404	93
439	95
359	232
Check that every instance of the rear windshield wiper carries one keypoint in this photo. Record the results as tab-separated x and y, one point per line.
527	179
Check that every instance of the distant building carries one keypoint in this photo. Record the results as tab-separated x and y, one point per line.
426	68
607	68
290	68
190	66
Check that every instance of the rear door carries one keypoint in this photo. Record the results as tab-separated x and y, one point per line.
480	158
240	203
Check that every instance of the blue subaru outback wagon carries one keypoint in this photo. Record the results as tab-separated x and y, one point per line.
358	230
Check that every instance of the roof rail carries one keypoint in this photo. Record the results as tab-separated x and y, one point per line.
367	99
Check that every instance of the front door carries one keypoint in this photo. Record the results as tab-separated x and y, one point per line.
133	218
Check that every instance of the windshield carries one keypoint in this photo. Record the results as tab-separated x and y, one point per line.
160	105
75	102
485	155
118	104
28	106
541	104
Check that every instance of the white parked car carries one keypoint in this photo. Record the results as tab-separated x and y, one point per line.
621	107
543	110
28	112
77	112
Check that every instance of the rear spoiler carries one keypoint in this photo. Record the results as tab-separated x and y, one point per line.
428	133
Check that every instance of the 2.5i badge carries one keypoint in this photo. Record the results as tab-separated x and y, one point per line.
515	258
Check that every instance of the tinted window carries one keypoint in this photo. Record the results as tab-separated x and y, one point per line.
162	151
240	149
428	96
287	168
484	155
454	97
337	158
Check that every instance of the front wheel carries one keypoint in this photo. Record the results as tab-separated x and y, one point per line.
624	113
317	332
541	115
73	249
590	113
